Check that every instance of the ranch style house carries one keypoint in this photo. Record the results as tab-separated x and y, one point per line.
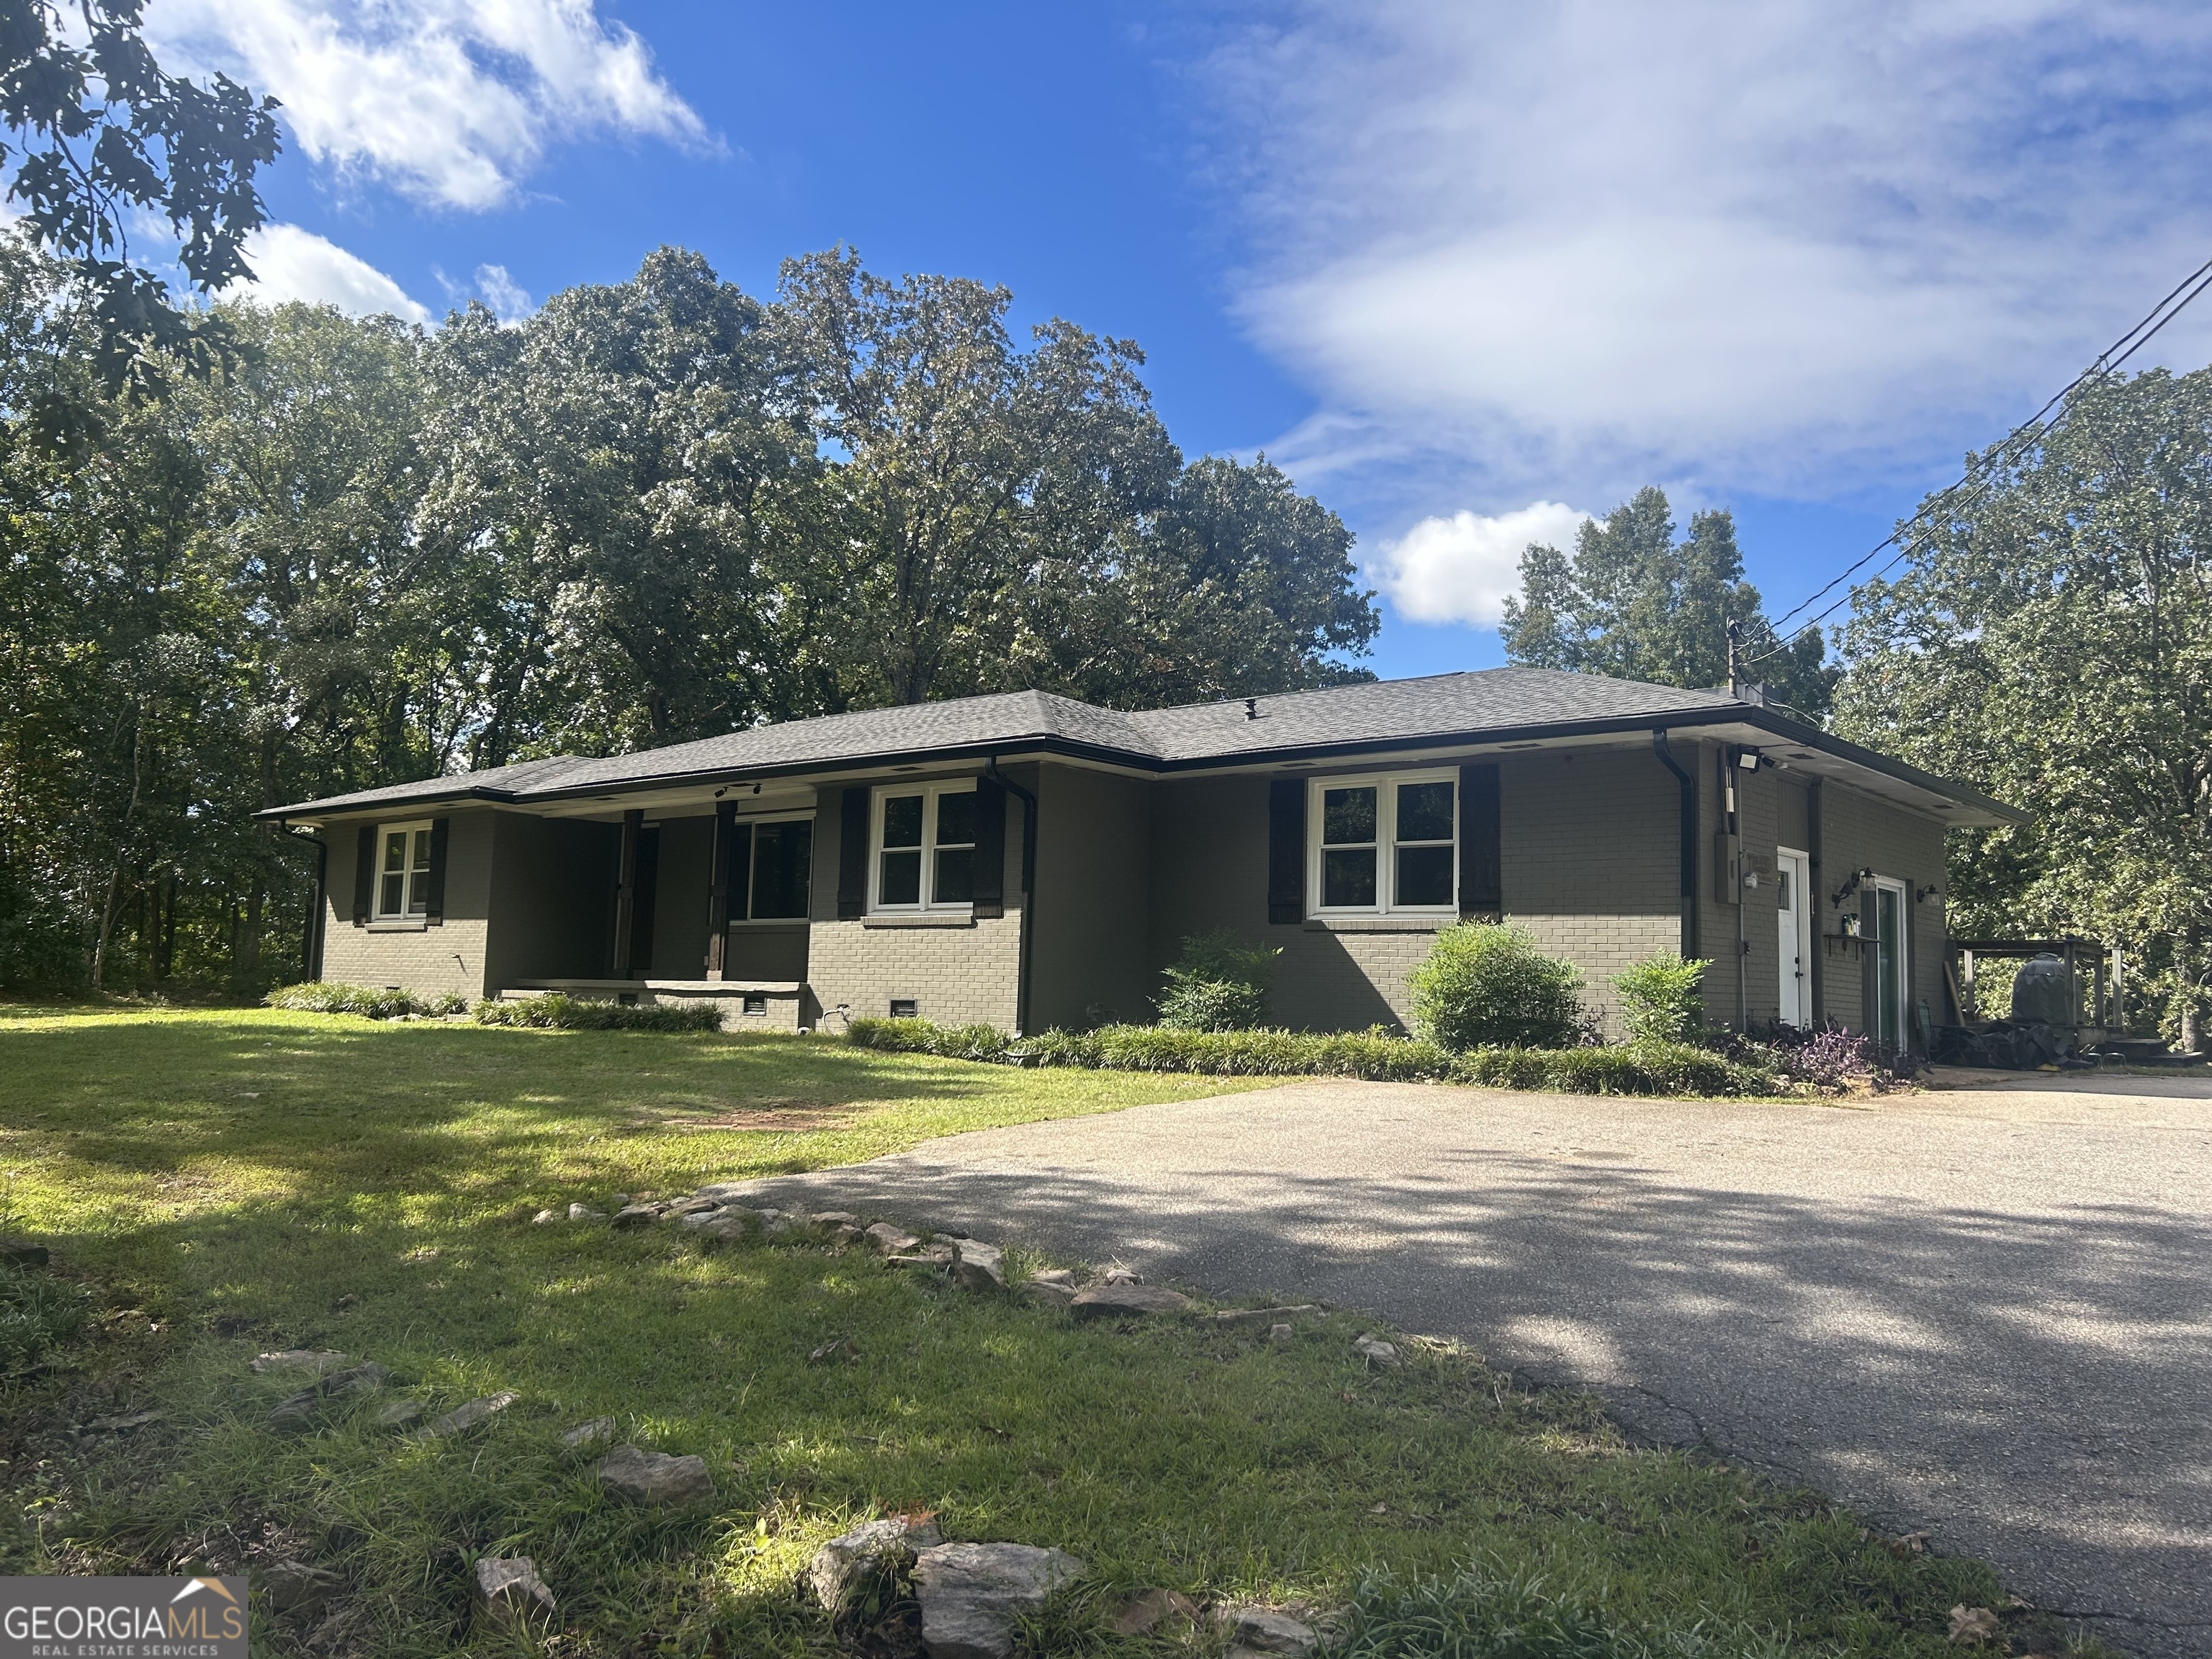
1024	861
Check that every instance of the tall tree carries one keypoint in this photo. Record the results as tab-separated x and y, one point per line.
1231	584
1637	603
620	468
2051	640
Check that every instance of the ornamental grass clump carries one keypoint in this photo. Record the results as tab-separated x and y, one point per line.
1219	984
555	1012
1663	998
327	996
1485	985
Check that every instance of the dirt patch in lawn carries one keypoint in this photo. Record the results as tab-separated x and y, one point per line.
792	1116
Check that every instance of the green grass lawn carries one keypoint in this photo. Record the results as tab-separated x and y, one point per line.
225	1182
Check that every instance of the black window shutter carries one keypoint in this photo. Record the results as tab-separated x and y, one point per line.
1286	851
364	874
852	854
990	877
433	887
1481	860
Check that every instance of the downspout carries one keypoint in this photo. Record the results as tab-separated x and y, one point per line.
1729	788
1688	815
1029	891
311	936
1819	900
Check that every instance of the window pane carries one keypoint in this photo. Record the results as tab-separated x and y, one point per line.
1348	814
422	849
418	895
395	850
1424	811
1424	876
782	853
902	879
956	876
956	819
902	821
1348	878
394	898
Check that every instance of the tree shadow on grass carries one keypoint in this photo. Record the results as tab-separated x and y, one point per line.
326	1109
2032	1385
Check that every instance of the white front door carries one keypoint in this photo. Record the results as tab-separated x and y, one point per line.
1793	906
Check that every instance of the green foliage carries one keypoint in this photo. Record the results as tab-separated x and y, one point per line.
1662	997
38	1311
369	1002
103	135
1634	603
2050	640
362	553
1477	1614
556	1011
1643	1068
1486	984
1635	1068
1219	984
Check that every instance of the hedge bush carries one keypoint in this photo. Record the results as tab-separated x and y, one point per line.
326	996
1645	1068
1219	984
1662	997
1485	985
556	1012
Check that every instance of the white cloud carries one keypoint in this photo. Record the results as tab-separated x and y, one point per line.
451	101
509	300
289	262
1789	247
1464	567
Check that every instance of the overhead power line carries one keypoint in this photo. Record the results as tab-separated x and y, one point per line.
1979	478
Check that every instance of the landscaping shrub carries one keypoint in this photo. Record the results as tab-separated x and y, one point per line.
1643	1068
1219	984
1487	985
926	1036
1634	1068
36	1312
1662	998
325	996
1829	1056
556	1012
1474	1615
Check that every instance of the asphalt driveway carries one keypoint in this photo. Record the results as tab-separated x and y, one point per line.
1983	1313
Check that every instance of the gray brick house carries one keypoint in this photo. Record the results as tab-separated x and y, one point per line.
1026	861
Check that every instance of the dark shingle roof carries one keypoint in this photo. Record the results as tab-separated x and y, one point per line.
1392	712
1487	700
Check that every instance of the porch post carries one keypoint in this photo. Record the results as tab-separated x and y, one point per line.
633	826
718	887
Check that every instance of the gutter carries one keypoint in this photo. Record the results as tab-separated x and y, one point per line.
1029	891
1686	813
311	936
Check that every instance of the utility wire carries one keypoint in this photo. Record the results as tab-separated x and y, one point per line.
1980	475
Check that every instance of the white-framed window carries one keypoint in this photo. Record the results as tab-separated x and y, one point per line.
923	847
778	866
402	870
1383	845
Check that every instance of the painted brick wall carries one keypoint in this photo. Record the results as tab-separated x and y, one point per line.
963	972
1589	865
433	961
1592	861
1094	873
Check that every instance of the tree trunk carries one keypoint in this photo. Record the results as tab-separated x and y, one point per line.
2190	965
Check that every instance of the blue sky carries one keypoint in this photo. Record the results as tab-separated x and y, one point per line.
1469	271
